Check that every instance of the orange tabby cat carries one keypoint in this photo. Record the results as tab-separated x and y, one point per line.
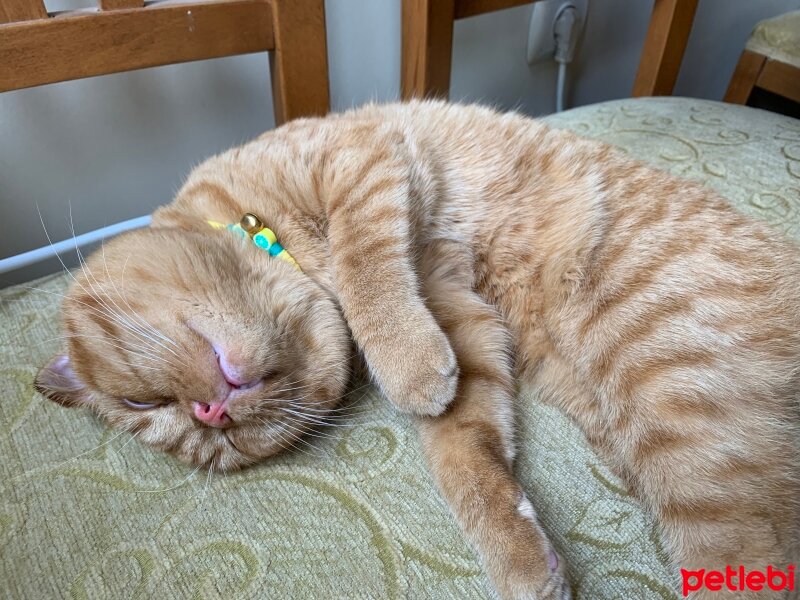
459	248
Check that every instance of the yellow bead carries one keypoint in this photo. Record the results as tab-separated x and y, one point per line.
251	223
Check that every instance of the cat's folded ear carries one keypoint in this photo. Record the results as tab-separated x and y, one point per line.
57	381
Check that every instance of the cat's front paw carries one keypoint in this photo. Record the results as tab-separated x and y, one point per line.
541	586
532	570
422	376
534	584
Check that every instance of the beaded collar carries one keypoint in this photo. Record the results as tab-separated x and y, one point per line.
250	226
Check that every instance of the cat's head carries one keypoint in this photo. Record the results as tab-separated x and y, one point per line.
199	344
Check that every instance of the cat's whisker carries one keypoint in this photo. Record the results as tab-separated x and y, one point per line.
333	421
93	309
312	404
282	381
308	395
76	457
114	316
117	316
341	422
63	297
325	420
284	390
305	448
58	256
293	383
132	366
124	319
133	437
208	480
345	395
62	337
291	389
294	434
141	319
308	429
303	417
60	260
124	297
334	412
169	489
146	332
279	430
302	404
291	439
144	350
321	426
123	344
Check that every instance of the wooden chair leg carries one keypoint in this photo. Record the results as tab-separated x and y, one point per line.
664	47
427	48
744	77
780	78
299	63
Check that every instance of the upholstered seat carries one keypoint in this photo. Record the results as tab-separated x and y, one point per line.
88	513
778	38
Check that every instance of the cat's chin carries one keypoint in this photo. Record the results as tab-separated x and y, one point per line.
234	449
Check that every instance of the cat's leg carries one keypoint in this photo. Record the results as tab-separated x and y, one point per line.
470	447
370	214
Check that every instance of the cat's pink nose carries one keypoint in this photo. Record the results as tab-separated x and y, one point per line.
212	414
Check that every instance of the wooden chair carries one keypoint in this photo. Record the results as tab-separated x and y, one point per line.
766	65
37	48
428	43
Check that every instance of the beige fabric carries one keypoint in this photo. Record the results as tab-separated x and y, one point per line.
88	513
778	38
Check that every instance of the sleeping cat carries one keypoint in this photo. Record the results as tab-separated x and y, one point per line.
457	250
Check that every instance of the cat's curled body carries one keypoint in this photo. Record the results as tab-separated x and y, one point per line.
464	248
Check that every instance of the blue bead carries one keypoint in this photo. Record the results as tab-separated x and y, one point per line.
261	241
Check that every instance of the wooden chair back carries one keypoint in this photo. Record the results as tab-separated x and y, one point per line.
428	43
37	47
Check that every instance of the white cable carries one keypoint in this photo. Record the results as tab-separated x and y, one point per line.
560	85
39	254
565	34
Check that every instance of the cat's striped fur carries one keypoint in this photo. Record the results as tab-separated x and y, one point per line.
466	248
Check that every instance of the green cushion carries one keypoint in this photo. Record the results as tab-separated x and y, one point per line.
87	513
778	38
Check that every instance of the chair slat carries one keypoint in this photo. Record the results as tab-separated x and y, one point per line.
664	46
427	48
12	11
83	44
118	4
300	47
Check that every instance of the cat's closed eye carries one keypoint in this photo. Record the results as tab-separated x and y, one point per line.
139	405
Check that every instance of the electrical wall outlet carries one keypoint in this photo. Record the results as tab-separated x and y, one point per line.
541	41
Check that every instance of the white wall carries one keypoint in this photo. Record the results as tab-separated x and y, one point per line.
115	147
